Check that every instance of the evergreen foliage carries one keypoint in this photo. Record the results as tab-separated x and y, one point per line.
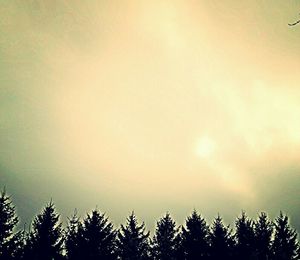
99	237
263	230
285	245
45	241
10	243
195	237
179	250
133	241
94	237
221	240
164	241
245	248
74	238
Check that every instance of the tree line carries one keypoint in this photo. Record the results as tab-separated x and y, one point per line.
95	237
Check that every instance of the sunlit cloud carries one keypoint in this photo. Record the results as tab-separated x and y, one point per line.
171	102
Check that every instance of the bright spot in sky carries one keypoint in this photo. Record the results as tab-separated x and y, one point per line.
205	147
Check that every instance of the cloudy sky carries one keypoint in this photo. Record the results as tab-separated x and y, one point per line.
151	106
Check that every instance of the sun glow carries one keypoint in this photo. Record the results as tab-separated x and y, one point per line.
205	147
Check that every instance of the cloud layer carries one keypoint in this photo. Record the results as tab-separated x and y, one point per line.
115	104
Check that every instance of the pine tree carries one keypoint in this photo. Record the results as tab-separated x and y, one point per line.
10	243
99	237
285	245
245	246
164	241
45	240
263	230
133	241
179	250
74	239
221	240
195	237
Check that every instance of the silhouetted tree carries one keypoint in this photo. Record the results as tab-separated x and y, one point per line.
285	245
10	243
245	238
133	241
195	237
263	229
221	240
294	23
164	241
74	244
94	238
179	250
45	240
99	237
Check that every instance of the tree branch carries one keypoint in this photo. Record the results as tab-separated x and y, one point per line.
295	23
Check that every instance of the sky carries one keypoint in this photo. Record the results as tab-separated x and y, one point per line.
151	106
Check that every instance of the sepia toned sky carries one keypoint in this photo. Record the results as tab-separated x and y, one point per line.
151	106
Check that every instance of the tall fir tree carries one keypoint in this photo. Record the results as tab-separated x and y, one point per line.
74	238
245	239
195	237
179	250
263	230
285	245
221	240
133	240
45	240
99	237
164	241
10	242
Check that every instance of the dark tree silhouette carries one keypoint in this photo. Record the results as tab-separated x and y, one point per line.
94	238
263	230
99	237
244	237
133	241
164	241
294	23
45	240
74	239
285	245
221	240
10	243
179	250
195	237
